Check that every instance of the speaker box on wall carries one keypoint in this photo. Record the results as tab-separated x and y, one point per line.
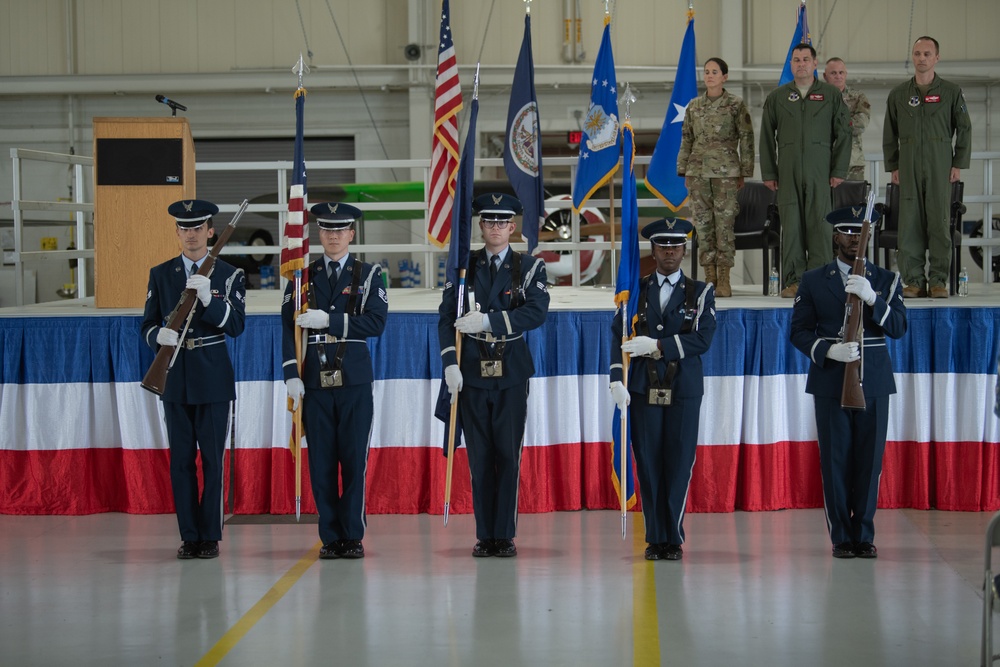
140	162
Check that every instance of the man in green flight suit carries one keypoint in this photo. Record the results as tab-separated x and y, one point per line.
922	117
805	151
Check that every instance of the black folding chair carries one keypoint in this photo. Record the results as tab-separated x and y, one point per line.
757	225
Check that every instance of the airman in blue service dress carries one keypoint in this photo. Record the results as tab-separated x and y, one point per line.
348	304
665	384
851	442
490	381
201	383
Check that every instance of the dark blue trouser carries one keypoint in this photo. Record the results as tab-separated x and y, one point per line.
851	444
664	440
338	424
493	422
190	428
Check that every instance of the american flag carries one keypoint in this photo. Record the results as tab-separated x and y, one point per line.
444	144
295	252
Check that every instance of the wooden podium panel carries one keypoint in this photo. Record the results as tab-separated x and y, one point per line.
141	166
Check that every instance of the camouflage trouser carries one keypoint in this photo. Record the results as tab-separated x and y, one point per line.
713	209
856	173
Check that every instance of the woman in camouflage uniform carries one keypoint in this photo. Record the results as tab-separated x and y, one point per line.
716	154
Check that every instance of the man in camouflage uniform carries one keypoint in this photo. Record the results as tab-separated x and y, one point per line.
861	112
922	116
805	151
716	154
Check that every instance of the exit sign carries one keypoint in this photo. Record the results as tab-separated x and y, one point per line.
574	137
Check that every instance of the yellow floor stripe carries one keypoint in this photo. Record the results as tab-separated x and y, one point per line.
257	612
645	626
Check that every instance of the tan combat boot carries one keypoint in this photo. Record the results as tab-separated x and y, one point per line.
722	288
709	270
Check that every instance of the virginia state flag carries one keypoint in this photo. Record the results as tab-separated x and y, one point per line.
626	297
661	177
801	36
601	141
522	155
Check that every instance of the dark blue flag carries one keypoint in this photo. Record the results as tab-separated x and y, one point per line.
626	298
801	36
458	253
522	154
600	144
661	177
461	213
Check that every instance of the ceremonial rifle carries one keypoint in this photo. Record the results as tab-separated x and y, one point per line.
180	317
852	395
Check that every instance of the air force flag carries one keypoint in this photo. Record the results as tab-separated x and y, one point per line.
601	142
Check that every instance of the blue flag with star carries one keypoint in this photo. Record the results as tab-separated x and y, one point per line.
601	140
661	177
801	36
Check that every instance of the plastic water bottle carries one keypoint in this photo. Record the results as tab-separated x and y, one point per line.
442	271
385	272
963	283
773	282
416	280
404	273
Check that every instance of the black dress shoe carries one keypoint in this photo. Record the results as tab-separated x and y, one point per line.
352	549
330	550
866	550
671	551
653	552
844	550
483	549
208	549
188	551
504	548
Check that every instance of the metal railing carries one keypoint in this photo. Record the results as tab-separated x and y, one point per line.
82	210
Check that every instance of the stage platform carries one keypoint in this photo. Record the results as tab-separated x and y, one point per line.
81	436
262	302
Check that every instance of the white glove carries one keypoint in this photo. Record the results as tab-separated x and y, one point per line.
859	285
641	346
314	319
295	391
619	395
844	352
471	323
167	337
453	378
203	286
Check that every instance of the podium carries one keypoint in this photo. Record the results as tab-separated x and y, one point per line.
141	166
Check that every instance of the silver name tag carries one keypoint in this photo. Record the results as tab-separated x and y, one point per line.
334	378
660	396
491	369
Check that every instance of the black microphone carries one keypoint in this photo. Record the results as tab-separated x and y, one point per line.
170	103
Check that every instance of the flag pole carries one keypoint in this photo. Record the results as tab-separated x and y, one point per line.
299	69
628	98
297	413
453	416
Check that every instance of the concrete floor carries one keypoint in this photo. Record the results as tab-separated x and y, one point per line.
752	589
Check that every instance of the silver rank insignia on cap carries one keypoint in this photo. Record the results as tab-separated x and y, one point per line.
856	212
188	205
670	223
497	199
333	209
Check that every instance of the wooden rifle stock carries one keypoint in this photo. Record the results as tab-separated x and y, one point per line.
852	395
179	318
